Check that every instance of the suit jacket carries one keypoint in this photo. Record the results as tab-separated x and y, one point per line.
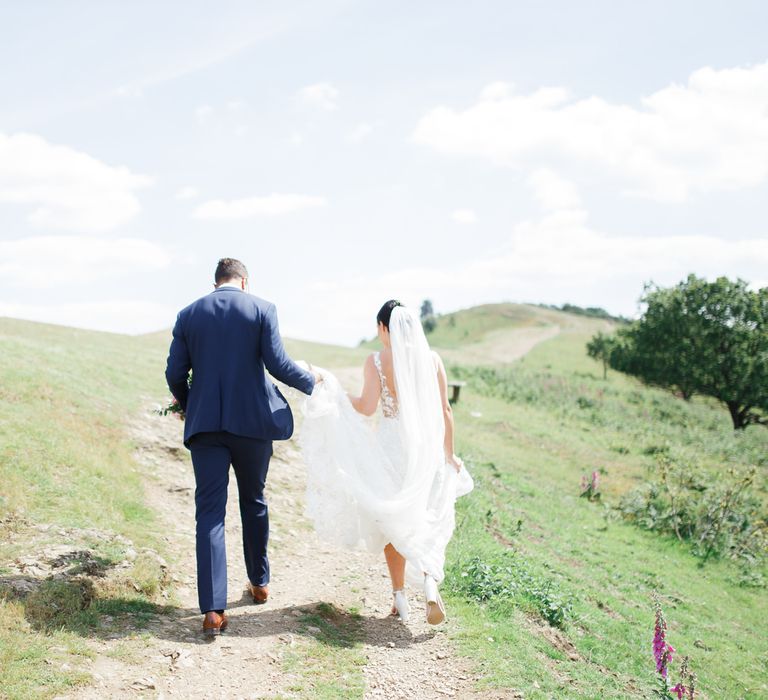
226	339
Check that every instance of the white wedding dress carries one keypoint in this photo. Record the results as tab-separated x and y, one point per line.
369	487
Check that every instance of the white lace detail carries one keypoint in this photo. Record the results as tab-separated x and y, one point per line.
388	402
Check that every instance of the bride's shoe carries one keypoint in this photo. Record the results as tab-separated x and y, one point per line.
435	607
400	605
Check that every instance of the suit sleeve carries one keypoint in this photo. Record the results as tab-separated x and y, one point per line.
276	359
178	365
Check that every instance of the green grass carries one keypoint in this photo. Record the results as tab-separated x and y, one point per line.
472	325
66	460
37	664
467	326
323	355
329	660
65	396
529	439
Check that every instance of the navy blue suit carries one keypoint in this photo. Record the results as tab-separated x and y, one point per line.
233	412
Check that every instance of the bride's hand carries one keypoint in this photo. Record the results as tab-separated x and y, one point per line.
455	461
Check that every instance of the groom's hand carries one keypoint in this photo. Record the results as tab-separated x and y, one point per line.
318	377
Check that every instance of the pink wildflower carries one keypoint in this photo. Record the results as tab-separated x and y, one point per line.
662	651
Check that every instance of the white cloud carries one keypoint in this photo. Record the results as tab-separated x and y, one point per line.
496	91
118	316
360	132
707	135
296	139
76	260
250	207
187	193
128	91
66	189
555	258
203	113
321	96
552	191
464	216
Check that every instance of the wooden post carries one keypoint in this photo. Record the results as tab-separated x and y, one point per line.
456	389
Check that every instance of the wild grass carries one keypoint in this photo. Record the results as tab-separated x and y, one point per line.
65	397
328	662
323	355
66	461
530	432
37	664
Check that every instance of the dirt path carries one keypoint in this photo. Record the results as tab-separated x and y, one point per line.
273	650
502	346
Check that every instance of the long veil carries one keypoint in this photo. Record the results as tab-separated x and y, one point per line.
421	424
358	495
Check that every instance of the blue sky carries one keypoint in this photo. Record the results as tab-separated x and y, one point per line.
349	152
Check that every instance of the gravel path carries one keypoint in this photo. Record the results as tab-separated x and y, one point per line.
264	653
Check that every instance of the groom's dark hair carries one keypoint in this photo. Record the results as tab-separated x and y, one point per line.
229	269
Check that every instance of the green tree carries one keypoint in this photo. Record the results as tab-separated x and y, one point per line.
600	348
428	320
701	337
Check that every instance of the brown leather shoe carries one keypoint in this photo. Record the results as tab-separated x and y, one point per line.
214	624
259	593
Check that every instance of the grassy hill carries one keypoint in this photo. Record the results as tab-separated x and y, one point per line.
67	477
555	592
552	592
502	333
530	432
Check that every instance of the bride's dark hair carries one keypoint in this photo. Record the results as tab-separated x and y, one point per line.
385	312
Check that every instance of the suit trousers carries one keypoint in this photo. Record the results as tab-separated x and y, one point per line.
212	455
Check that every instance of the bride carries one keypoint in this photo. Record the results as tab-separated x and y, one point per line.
393	488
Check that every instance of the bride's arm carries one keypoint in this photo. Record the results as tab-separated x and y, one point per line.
366	403
442	382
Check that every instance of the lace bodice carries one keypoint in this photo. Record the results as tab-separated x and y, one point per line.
388	401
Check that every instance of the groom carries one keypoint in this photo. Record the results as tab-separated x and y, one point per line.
233	413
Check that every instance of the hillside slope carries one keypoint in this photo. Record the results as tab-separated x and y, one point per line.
502	333
549	594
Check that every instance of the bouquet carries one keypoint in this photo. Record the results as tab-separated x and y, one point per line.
174	407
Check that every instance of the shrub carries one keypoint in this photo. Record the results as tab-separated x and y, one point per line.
718	515
508	579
